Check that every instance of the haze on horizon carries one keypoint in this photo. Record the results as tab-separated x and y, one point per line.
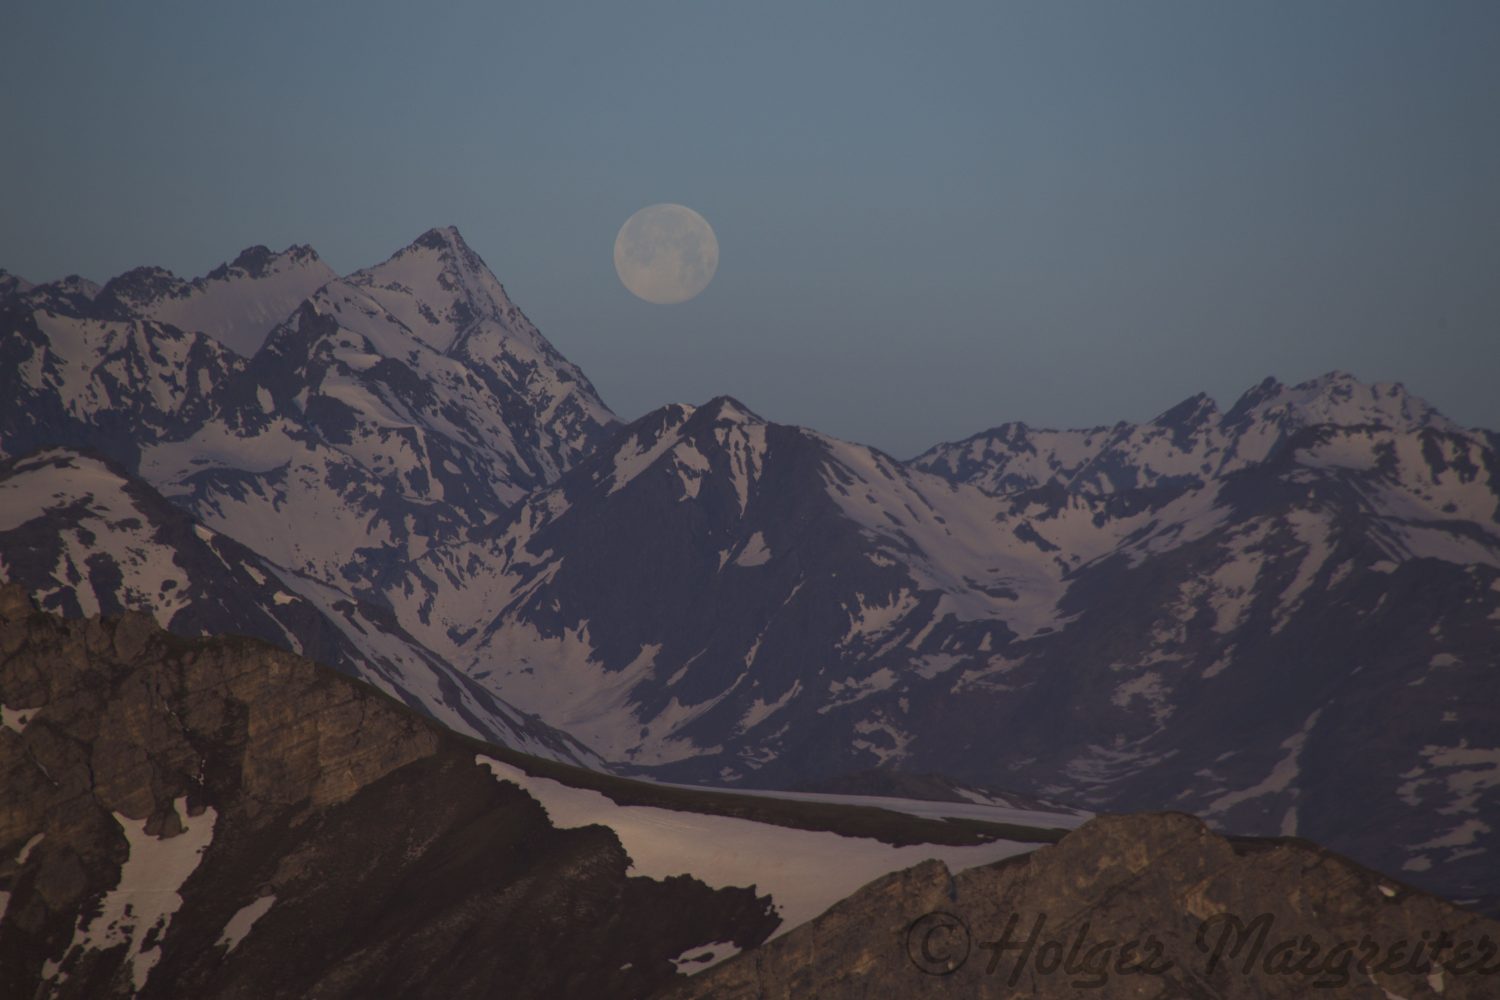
932	218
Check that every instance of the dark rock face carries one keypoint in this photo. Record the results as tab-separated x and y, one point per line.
160	793
1213	920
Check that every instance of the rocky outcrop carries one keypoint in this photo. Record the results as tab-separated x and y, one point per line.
217	818
1150	905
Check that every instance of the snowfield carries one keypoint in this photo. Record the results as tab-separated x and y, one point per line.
803	871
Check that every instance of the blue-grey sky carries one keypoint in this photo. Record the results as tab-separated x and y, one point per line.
933	217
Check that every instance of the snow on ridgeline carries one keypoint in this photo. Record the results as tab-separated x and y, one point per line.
240	302
1192	439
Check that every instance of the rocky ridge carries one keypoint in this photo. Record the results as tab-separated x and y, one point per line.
1149	906
218	818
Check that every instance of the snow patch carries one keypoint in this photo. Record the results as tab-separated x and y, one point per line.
760	709
15	719
239	925
755	552
1281	777
705	956
142	904
803	871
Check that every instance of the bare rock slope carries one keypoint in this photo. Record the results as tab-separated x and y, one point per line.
217	818
1208	918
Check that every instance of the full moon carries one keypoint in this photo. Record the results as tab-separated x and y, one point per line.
666	254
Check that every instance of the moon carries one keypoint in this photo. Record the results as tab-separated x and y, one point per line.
666	254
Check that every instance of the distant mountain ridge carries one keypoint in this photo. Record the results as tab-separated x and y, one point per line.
1281	616
1192	439
237	303
718	598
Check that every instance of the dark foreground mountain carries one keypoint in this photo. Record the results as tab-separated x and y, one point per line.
1149	906
220	819
217	818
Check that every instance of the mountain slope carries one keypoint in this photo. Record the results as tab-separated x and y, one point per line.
711	580
330	461
716	598
1148	906
409	400
1192	440
85	539
383	410
236	304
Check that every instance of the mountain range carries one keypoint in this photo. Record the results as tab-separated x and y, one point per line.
1282	617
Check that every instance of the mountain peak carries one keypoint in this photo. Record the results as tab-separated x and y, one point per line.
726	408
439	288
440	238
13	283
1191	412
1339	398
1267	388
72	296
440	250
445	247
139	287
236	303
258	262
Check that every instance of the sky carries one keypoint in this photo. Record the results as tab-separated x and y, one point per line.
932	217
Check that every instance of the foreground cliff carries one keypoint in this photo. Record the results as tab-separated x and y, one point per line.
216	818
221	819
1143	906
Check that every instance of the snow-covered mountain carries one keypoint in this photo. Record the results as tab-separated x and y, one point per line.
1297	631
381	413
85	539
1191	441
12	284
1200	613
397	405
709	587
237	303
